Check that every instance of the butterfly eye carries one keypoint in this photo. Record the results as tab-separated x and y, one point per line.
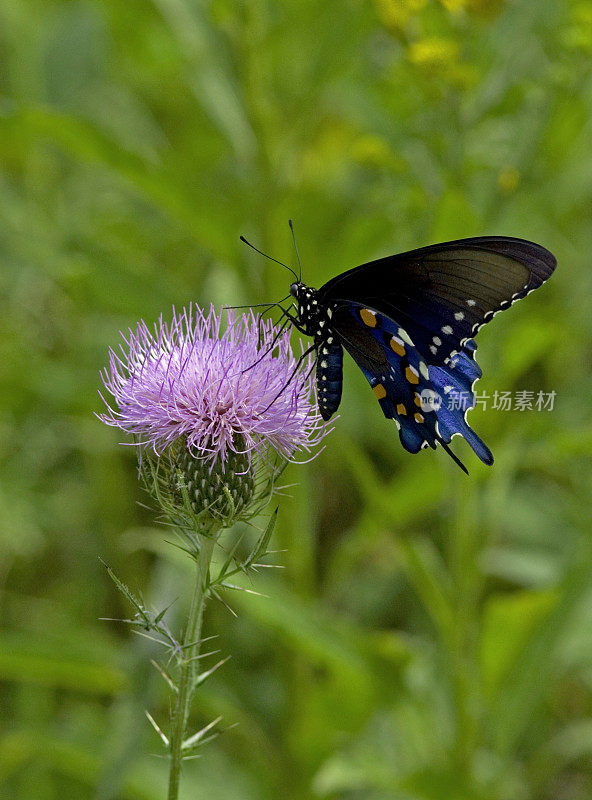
294	290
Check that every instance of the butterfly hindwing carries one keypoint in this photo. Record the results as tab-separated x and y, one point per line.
453	385
403	383
391	366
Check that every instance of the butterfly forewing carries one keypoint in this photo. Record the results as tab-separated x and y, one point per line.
443	294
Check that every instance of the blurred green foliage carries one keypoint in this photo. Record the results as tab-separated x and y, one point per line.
430	635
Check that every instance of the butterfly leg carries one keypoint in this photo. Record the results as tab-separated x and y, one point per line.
307	352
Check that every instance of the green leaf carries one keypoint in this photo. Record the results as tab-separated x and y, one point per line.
509	621
521	692
25	661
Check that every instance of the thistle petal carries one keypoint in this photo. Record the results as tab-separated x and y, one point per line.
215	381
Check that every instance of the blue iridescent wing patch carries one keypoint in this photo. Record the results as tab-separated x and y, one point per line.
453	385
427	403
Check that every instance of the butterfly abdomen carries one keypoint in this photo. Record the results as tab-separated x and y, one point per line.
329	377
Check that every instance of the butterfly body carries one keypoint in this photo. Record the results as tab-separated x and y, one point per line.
408	321
314	319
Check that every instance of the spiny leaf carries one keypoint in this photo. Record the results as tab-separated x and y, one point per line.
165	675
202	655
242	589
218	597
260	548
161	614
154	724
129	595
205	675
229	558
195	740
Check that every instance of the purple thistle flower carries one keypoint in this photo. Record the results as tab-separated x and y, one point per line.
216	386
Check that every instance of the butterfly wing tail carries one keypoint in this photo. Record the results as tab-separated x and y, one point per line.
454	457
454	383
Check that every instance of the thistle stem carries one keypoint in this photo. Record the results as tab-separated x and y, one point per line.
190	664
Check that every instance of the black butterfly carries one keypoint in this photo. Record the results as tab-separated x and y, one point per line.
408	321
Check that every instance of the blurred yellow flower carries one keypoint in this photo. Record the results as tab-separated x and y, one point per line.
327	156
578	35
508	180
394	14
374	152
433	52
454	6
484	8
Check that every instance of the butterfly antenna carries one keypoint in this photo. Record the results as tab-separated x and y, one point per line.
256	249
455	458
290	223
261	305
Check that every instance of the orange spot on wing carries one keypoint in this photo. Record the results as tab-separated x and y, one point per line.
397	346
411	376
418	417
379	391
368	317
401	409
